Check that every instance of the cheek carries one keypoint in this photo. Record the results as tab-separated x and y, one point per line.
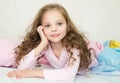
63	30
46	32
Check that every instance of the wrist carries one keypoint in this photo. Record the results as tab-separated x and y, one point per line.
37	73
44	43
39	49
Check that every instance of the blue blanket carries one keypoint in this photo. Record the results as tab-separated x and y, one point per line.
109	61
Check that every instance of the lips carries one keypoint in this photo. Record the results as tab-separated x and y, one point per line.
55	35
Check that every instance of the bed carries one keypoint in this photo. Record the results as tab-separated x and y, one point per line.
91	78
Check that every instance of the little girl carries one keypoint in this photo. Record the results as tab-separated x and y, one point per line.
54	38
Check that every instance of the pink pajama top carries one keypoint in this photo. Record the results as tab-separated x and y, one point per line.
61	70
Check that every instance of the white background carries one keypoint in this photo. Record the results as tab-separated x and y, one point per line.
98	19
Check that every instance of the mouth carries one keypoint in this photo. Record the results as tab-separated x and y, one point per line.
55	35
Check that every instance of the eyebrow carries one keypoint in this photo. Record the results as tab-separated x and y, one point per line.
63	20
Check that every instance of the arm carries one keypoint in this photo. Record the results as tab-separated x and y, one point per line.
67	73
29	60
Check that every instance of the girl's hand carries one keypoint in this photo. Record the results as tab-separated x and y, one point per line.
20	74
25	73
44	41
42	35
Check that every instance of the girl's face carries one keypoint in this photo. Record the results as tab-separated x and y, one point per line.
54	26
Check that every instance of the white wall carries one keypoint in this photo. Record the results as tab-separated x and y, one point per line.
99	19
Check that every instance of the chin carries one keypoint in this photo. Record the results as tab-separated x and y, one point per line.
55	41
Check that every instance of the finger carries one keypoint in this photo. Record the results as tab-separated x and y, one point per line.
12	73
41	32
19	77
22	76
40	28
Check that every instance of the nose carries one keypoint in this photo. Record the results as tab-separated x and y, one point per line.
54	28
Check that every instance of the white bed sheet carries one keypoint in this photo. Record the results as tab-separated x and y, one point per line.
79	79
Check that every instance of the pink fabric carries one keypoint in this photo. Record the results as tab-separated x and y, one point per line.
43	60
53	60
97	46
7	55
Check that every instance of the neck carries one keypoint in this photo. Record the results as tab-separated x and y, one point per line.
56	46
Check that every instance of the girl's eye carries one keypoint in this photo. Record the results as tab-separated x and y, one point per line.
47	26
59	24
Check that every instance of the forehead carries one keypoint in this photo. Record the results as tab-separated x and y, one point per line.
52	14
